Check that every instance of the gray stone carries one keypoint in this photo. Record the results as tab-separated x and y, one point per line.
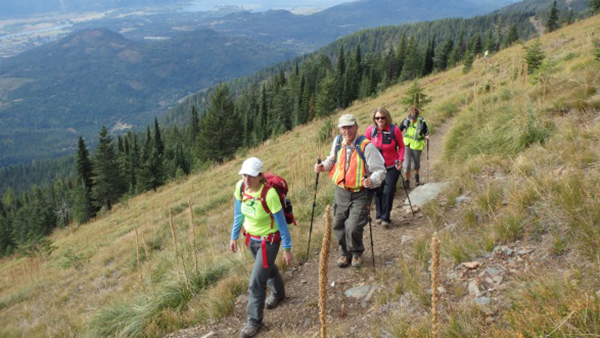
453	276
492	272
405	239
208	335
358	292
507	251
525	252
482	300
422	194
473	288
363	304
371	293
462	199
307	324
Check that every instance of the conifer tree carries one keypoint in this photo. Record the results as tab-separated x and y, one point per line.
441	57
326	98
401	54
468	61
194	120
358	61
498	38
490	44
218	127
570	16
458	52
415	96
83	209
477	47
84	165
512	36
534	55
594	6
108	186
428	59
413	62
159	145
552	22
7	245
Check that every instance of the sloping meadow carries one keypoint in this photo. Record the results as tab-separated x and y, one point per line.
524	147
524	153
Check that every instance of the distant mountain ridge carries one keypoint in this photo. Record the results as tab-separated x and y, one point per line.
321	28
29	7
95	77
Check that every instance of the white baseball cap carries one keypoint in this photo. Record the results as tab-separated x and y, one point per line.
347	120
252	166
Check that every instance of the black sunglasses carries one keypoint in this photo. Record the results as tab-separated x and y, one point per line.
380	118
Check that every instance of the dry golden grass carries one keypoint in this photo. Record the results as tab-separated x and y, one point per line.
555	123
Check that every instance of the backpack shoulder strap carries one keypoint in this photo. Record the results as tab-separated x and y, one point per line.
263	197
358	148
338	144
393	134
373	131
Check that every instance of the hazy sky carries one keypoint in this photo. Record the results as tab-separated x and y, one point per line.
262	5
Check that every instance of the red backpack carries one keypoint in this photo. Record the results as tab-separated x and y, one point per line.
281	187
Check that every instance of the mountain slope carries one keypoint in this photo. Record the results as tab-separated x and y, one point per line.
522	154
72	87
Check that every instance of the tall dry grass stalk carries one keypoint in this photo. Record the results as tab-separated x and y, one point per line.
178	255
139	265
148	264
323	282
193	236
435	272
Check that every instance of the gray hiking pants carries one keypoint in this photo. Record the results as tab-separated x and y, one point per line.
261	278
412	158
350	215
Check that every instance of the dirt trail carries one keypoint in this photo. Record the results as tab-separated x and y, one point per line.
298	315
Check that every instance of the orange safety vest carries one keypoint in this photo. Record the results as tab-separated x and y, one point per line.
351	179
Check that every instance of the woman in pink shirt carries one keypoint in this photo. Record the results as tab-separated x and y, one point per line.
387	137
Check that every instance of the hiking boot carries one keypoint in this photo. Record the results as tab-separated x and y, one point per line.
386	225
407	184
378	221
357	261
272	302
249	330
417	179
343	261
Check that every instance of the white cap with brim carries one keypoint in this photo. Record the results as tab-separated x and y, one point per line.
347	120
252	166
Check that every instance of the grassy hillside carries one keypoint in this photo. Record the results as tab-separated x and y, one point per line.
524	148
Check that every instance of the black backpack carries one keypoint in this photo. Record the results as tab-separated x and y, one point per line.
392	133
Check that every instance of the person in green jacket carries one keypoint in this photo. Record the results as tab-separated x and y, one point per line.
415	132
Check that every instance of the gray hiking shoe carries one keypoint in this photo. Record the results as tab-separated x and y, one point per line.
357	261
272	302
386	225
249	330
378	221
343	261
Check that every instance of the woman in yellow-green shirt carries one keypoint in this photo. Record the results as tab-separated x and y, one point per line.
264	233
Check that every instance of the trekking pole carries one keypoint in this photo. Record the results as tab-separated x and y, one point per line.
427	178
313	212
406	190
369	197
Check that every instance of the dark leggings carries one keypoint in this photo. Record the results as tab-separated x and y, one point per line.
384	196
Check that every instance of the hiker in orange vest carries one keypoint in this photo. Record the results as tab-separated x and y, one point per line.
353	157
263	237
